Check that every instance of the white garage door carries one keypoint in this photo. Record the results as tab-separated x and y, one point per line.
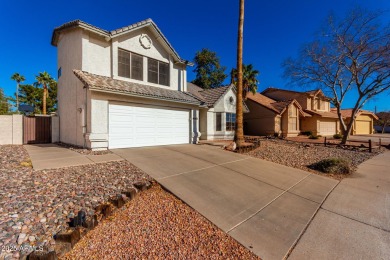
136	126
327	127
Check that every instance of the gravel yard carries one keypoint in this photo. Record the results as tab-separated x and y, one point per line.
156	225
300	155
34	205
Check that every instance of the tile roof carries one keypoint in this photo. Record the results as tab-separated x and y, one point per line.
263	100
97	82
347	113
276	106
212	95
325	114
113	33
275	92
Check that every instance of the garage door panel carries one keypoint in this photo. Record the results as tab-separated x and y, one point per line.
363	127
136	126
327	127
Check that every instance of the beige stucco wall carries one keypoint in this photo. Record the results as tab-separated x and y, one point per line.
96	55
70	89
309	124
259	120
55	129
130	42
11	129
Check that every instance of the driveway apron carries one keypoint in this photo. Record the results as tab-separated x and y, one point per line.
263	205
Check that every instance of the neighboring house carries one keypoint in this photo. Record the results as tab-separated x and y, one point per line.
364	122
122	88
321	121
217	119
271	117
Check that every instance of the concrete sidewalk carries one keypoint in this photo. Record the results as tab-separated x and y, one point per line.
51	156
354	221
263	205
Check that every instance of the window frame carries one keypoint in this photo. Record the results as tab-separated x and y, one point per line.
130	65
230	123
168	80
218	125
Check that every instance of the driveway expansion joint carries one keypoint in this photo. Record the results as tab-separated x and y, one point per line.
269	203
370	225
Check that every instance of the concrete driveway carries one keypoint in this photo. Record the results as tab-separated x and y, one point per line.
52	156
263	205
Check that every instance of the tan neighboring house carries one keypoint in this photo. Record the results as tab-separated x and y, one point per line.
269	117
217	117
321	120
364	122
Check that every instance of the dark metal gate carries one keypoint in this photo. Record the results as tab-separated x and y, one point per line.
36	129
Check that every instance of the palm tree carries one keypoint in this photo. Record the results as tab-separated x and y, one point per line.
18	78
249	79
43	79
239	134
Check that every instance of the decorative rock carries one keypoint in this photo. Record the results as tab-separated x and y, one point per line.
21	238
15	216
31	238
43	220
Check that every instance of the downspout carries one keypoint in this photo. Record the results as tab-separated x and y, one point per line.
85	117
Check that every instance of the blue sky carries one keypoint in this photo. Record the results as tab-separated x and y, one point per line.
274	30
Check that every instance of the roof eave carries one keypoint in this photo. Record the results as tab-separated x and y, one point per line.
56	32
112	91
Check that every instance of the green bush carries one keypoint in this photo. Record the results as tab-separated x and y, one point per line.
308	133
332	165
314	136
337	136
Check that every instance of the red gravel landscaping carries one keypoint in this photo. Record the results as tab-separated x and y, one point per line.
157	225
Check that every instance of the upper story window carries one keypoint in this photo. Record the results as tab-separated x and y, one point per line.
130	65
293	118
158	72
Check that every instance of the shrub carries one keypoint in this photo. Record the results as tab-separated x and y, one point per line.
314	136
308	133
332	165
337	136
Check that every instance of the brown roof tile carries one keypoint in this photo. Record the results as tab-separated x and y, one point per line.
97	82
347	113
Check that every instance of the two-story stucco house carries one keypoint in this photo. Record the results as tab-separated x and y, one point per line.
122	88
321	120
271	117
217	119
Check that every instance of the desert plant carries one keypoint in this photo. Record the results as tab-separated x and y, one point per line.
332	165
337	136
307	133
314	136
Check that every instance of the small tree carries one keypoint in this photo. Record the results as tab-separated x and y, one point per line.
249	79
384	120
239	133
18	78
44	80
352	54
4	104
209	72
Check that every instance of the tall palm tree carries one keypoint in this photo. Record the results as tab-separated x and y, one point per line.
18	78
239	134
43	79
249	79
